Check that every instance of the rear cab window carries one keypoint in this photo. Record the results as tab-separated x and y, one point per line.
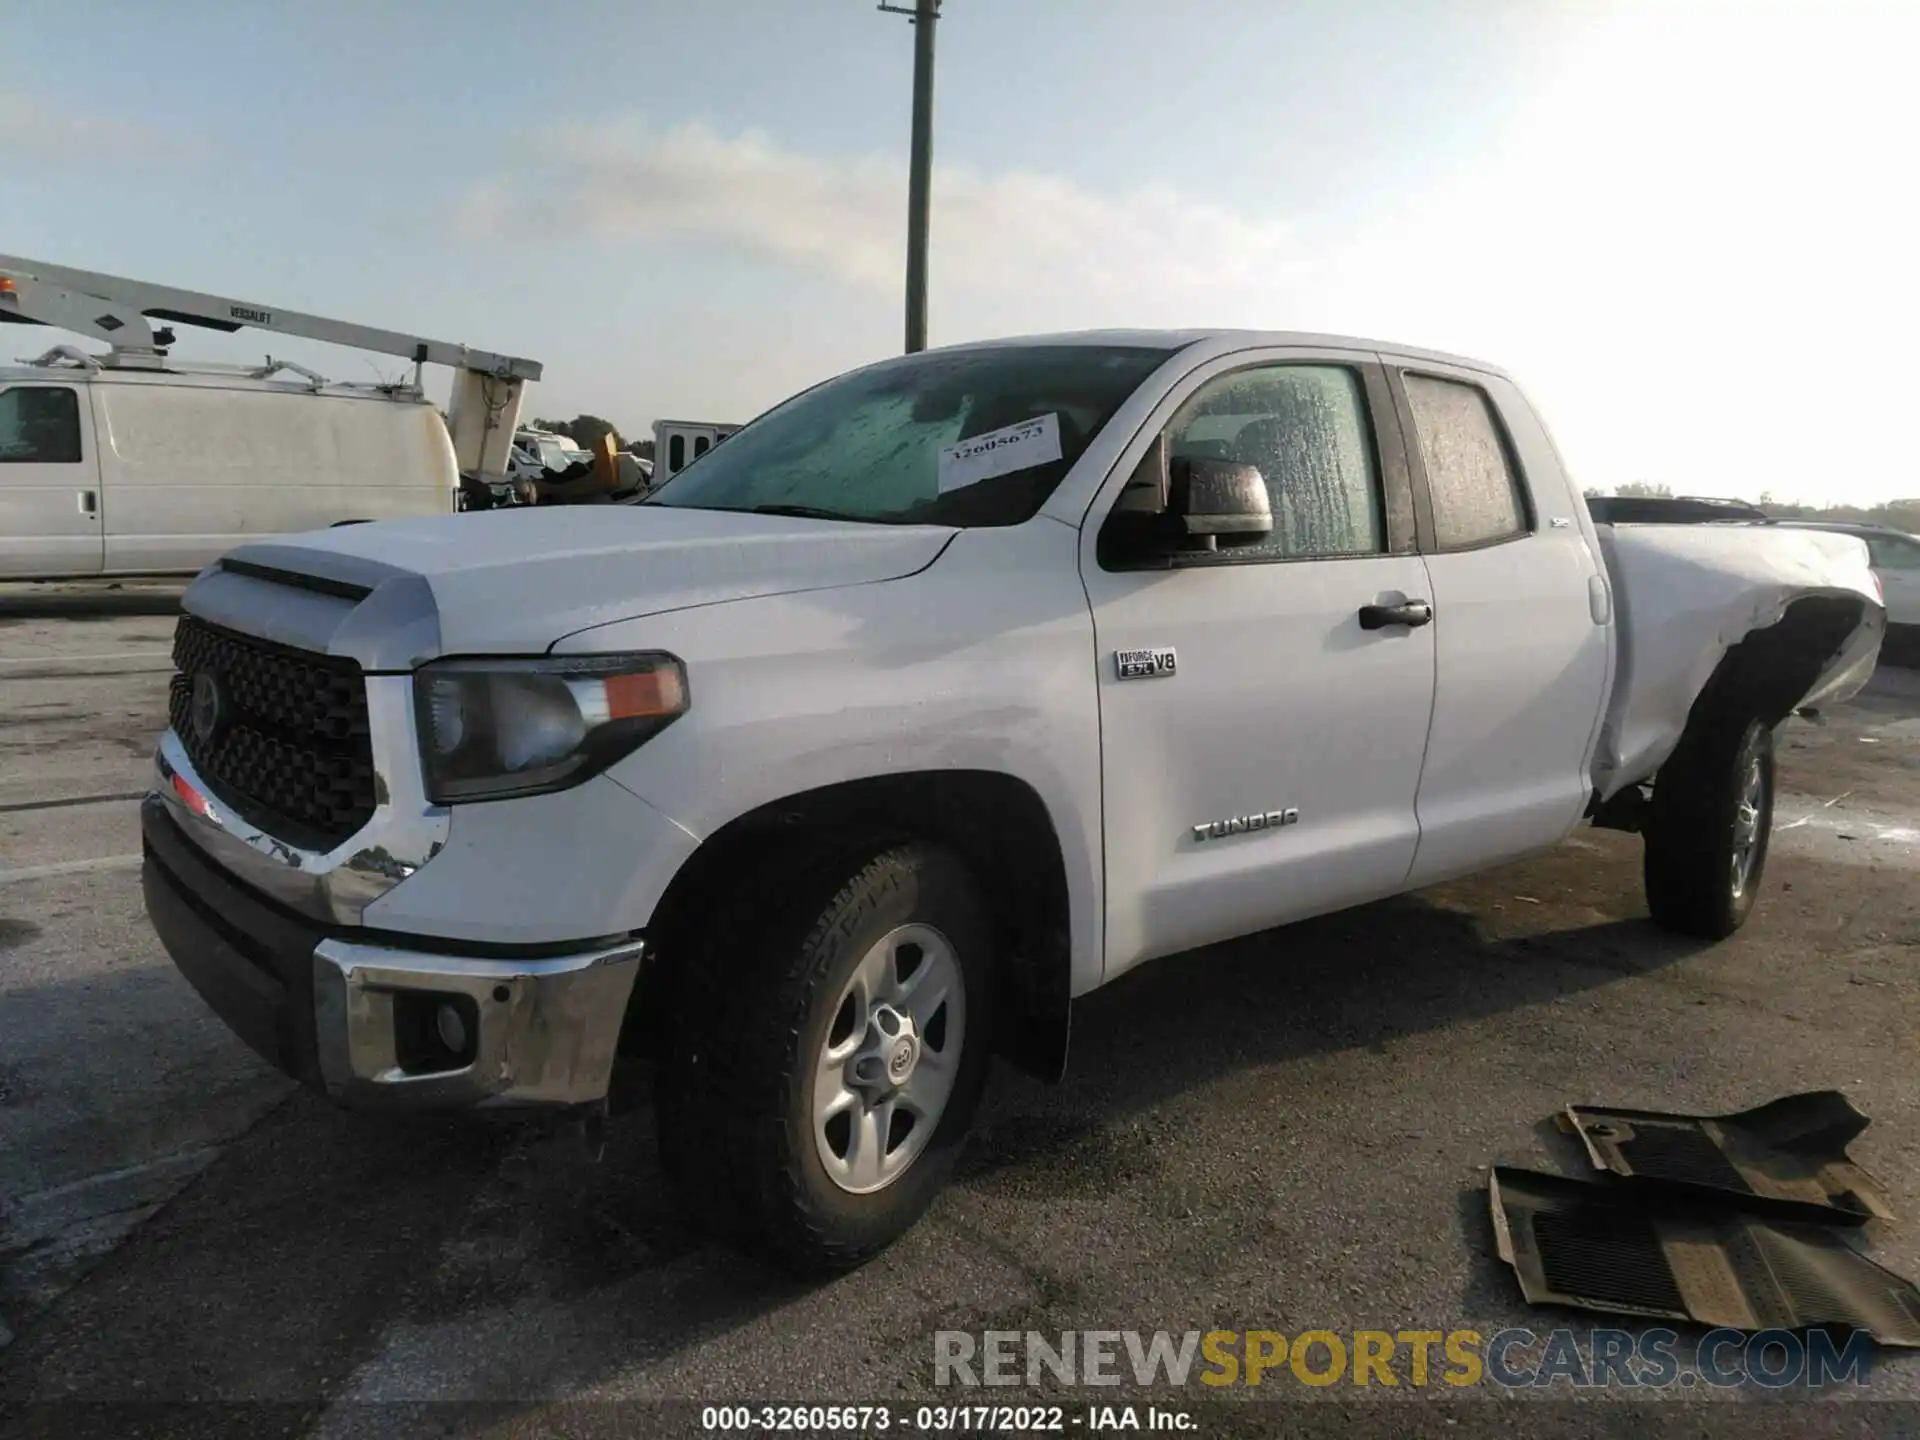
39	425
1471	477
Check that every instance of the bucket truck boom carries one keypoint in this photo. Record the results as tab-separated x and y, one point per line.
487	388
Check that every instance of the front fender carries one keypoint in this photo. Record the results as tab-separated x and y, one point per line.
983	661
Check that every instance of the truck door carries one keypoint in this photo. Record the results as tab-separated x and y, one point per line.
50	521
1261	760
1522	646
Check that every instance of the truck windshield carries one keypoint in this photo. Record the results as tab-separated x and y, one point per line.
976	437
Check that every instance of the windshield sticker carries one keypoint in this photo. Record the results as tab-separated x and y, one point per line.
1000	452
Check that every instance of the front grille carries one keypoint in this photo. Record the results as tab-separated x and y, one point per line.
291	750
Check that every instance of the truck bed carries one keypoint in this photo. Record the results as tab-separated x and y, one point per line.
1684	595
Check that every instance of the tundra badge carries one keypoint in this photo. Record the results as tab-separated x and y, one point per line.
1240	824
1143	664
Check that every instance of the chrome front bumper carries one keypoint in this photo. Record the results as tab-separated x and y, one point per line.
357	1019
546	1029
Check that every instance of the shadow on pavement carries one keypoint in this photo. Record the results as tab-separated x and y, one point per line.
277	1272
1356	980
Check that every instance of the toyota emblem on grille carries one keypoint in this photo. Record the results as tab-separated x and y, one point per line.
209	711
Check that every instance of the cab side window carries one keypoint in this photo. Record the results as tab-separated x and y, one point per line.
1476	495
1305	429
39	425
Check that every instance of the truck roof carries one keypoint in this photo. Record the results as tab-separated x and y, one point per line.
1225	340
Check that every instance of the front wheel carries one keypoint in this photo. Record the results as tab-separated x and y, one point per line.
828	1057
1707	833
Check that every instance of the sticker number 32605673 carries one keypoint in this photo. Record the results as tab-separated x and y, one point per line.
1000	452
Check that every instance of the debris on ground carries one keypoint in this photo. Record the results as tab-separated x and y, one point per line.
1788	1156
1743	1220
1627	1248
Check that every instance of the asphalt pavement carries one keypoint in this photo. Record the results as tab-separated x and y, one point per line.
1290	1132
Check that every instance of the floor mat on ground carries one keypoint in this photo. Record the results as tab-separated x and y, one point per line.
1787	1158
1639	1250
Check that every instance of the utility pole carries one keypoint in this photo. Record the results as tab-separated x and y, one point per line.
924	15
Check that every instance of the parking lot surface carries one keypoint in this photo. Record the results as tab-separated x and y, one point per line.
1289	1132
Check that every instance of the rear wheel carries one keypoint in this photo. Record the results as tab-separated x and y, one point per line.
827	1058
1707	831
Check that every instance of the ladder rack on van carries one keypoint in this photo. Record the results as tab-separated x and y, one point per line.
487	388
73	357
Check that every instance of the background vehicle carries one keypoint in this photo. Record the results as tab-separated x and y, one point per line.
539	452
106	472
1895	557
636	475
939	696
132	462
678	443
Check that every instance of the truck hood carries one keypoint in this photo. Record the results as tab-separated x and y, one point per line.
398	592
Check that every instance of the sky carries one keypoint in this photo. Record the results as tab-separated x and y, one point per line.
1687	226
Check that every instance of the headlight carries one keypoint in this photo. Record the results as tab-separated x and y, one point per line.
490	729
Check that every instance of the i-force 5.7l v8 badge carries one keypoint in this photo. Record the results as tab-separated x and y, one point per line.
1143	664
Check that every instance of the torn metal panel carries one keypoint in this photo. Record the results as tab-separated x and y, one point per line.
1684	595
1787	1157
1626	1249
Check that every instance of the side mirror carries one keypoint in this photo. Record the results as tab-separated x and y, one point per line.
1219	502
1174	506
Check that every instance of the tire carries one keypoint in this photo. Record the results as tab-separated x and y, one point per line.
821	998
1707	831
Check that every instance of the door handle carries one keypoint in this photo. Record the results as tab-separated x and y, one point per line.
89	503
1408	612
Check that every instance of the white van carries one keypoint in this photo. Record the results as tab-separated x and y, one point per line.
144	472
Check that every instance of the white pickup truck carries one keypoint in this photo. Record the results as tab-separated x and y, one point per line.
937	697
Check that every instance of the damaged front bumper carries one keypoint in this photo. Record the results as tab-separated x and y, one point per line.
392	1023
